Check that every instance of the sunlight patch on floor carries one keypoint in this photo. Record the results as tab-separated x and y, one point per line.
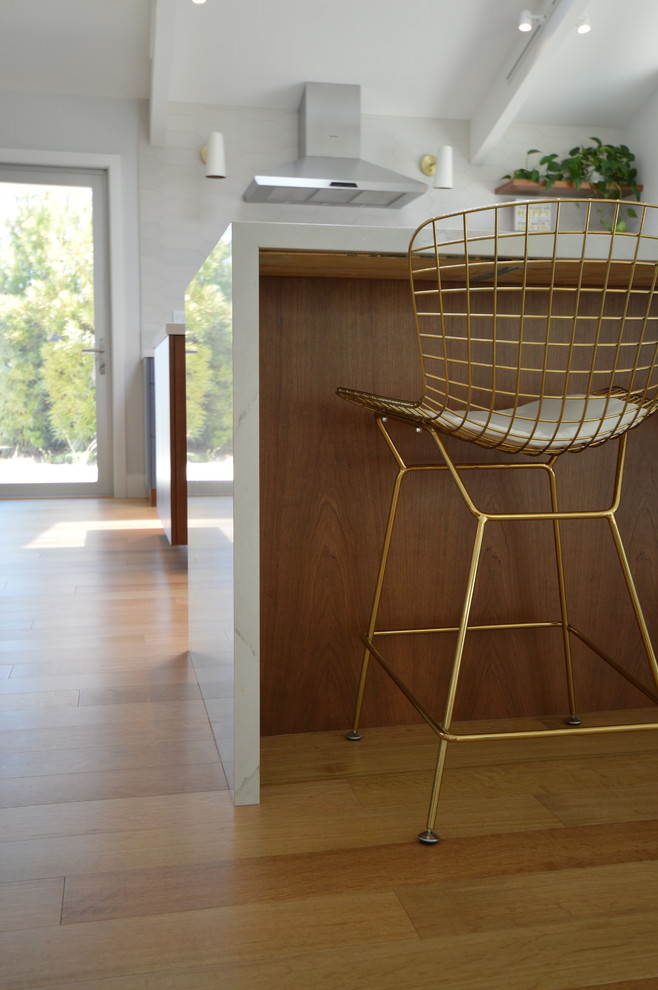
74	534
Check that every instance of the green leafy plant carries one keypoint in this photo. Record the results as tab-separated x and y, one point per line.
608	169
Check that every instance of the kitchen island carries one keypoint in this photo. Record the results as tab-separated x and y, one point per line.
315	307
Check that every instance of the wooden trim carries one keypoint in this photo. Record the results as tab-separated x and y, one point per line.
328	264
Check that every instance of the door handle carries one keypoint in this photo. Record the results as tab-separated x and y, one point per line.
96	350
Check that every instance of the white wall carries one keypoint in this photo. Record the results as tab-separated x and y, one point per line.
184	214
96	127
641	136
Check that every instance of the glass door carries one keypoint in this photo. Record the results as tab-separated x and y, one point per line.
54	333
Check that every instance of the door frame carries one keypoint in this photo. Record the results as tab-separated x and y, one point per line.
117	290
94	180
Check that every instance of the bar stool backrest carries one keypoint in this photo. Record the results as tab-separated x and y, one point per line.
538	340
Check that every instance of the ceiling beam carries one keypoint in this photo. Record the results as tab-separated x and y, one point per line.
519	75
163	32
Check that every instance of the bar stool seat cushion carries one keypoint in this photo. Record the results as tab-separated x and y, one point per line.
551	425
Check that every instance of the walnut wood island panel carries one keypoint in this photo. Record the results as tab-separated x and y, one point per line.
326	478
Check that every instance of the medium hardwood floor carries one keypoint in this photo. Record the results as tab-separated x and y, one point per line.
124	865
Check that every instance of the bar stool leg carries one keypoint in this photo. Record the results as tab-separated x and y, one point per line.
429	836
632	591
354	735
573	718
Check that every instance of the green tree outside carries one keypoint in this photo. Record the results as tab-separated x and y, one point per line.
47	388
209	360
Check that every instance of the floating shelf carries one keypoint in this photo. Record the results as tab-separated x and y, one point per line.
524	187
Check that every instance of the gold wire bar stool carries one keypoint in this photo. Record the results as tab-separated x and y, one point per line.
536	342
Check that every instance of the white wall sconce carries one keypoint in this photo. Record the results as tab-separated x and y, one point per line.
440	166
528	20
583	26
213	157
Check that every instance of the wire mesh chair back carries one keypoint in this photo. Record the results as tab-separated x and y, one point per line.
537	341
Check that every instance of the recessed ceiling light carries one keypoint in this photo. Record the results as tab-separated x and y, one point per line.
583	26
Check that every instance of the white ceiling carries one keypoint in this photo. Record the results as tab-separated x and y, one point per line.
85	47
434	58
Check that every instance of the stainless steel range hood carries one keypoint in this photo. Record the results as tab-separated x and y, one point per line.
330	171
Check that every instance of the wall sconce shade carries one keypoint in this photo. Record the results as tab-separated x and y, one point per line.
583	26
440	166
213	156
443	178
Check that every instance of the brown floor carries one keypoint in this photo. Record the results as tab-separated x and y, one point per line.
125	866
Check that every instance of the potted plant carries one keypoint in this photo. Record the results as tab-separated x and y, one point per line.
600	170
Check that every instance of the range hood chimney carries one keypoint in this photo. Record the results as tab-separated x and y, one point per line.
330	171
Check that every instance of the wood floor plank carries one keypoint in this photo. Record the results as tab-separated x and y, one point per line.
65	761
112	815
31	584
86	662
650	984
99	606
48	649
179	888
166	581
531	899
403	748
33	904
153	848
62	715
107	784
562	957
17	641
126	624
470	816
233	832
225	935
132	600
586	807
168	673
99	735
30	700
541	778
187	689
159	638
54	857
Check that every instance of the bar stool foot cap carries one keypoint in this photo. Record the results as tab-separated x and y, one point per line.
573	720
353	736
428	837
